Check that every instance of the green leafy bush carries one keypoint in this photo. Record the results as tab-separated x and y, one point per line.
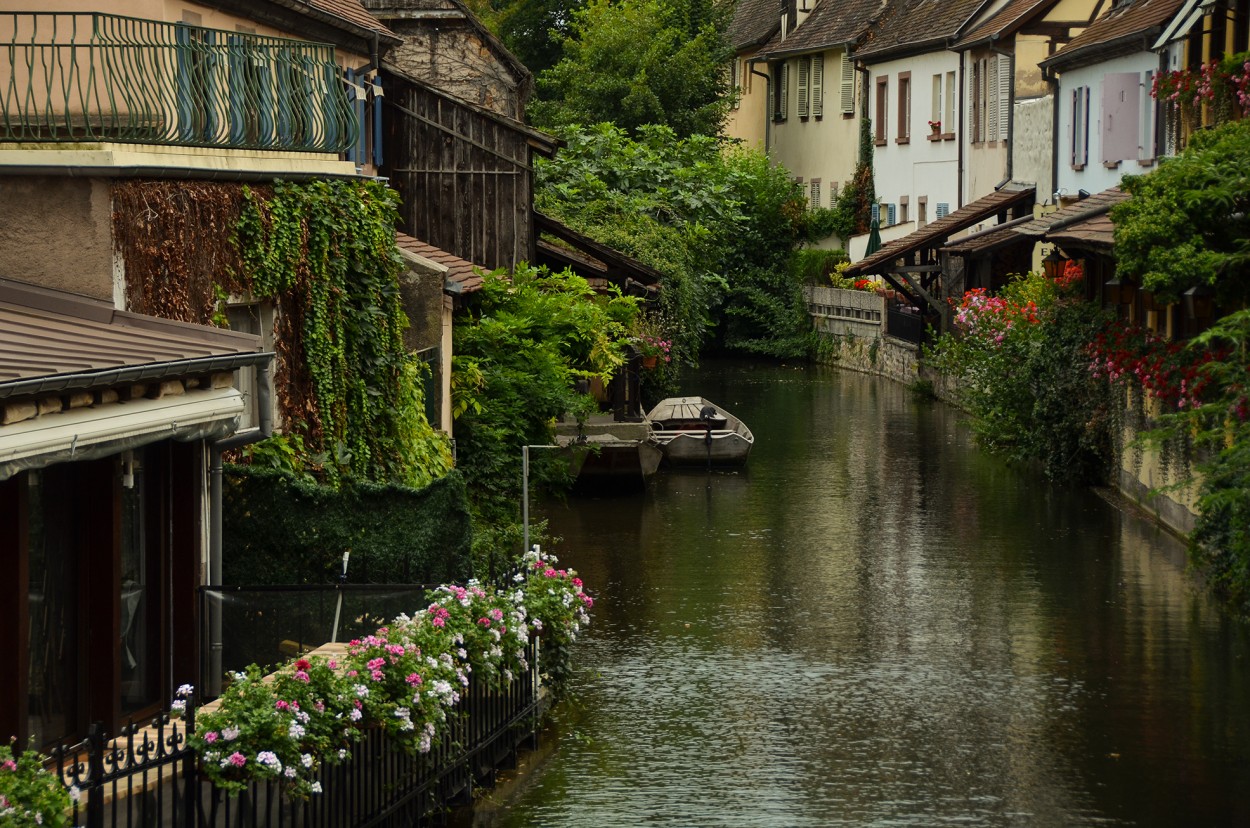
29	795
1023	374
280	529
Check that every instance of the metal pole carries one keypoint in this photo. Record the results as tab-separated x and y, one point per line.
338	609
525	494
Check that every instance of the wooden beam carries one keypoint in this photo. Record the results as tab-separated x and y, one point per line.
933	303
917	269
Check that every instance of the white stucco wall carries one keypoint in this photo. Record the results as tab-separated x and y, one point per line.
920	168
1095	177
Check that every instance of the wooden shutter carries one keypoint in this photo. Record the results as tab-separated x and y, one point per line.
847	72
991	98
805	74
1006	79
1121	116
972	102
784	109
1147	145
818	85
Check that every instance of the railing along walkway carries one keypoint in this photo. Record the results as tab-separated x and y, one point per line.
148	776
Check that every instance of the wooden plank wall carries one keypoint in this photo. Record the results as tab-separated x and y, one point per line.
464	177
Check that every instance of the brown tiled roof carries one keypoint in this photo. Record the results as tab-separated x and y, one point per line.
1006	22
987	240
831	23
1087	209
1097	232
351	11
1120	26
1096	204
54	341
911	26
937	231
754	22
462	272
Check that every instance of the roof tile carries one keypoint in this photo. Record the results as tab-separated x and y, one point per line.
460	271
1125	21
831	23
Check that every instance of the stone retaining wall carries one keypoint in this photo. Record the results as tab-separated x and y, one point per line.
852	339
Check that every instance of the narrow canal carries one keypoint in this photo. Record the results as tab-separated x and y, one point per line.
875	623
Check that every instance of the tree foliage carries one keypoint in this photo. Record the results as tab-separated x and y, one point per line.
1188	222
533	30
636	62
721	226
520	349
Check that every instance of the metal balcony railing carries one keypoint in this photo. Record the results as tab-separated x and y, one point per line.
73	77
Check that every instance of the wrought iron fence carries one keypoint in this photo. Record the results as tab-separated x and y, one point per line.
148	776
92	76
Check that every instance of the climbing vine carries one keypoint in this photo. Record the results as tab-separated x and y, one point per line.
324	253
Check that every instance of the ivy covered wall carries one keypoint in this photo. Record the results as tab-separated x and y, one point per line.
349	392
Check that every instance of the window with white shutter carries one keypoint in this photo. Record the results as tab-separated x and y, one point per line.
1006	79
990	133
818	86
846	71
1121	116
943	209
1079	124
814	201
1148	140
785	90
805	75
948	123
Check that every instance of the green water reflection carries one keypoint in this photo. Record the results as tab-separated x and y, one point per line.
877	624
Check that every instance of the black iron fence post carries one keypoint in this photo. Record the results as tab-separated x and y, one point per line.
95	775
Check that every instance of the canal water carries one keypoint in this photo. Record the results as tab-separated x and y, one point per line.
877	624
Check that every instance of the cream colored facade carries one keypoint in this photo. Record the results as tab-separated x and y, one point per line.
820	149
747	122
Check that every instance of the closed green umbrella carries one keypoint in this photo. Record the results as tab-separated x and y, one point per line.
874	238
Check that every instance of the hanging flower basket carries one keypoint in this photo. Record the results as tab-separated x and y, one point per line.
649	362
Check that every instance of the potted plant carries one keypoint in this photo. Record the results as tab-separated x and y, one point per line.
651	344
935	127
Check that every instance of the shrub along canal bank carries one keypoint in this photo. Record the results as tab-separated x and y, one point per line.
878	621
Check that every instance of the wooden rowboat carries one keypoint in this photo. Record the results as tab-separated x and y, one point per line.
692	431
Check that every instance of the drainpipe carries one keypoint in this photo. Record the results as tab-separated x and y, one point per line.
264	397
1011	104
768	99
963	133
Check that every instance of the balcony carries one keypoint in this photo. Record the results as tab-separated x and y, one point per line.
90	81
